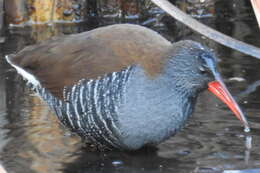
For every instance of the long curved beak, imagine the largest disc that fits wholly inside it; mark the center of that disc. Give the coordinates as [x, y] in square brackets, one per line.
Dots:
[218, 88]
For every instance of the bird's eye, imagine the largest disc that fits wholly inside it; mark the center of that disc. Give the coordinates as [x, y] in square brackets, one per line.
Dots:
[202, 70]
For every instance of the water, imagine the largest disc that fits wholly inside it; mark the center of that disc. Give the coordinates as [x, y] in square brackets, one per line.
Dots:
[32, 140]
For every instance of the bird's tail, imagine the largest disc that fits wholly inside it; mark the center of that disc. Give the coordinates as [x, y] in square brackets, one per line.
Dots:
[29, 77]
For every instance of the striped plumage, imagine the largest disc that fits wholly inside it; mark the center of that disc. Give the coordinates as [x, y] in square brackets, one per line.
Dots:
[90, 107]
[122, 86]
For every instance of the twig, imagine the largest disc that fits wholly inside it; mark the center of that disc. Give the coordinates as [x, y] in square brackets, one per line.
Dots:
[207, 31]
[256, 7]
[250, 89]
[53, 11]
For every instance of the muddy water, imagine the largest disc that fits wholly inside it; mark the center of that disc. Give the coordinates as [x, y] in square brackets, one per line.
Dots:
[32, 140]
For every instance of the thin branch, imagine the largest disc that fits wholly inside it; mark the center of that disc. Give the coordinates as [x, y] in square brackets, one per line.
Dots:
[207, 31]
[53, 11]
[250, 89]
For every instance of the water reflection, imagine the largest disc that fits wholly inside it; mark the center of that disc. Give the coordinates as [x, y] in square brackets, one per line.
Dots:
[36, 142]
[32, 140]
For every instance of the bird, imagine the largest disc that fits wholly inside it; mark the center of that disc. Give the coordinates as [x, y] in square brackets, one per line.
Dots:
[122, 86]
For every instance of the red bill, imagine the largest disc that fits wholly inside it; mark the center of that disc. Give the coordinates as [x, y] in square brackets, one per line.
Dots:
[219, 89]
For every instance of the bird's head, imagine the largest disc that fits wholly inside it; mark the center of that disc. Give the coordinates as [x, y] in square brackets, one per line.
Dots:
[194, 67]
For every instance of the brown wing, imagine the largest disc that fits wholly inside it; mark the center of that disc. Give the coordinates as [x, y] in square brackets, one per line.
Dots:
[64, 61]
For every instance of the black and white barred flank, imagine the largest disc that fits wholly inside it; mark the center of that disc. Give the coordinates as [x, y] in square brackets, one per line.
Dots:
[90, 107]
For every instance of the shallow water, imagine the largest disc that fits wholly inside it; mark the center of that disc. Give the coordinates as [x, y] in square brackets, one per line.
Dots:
[32, 140]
